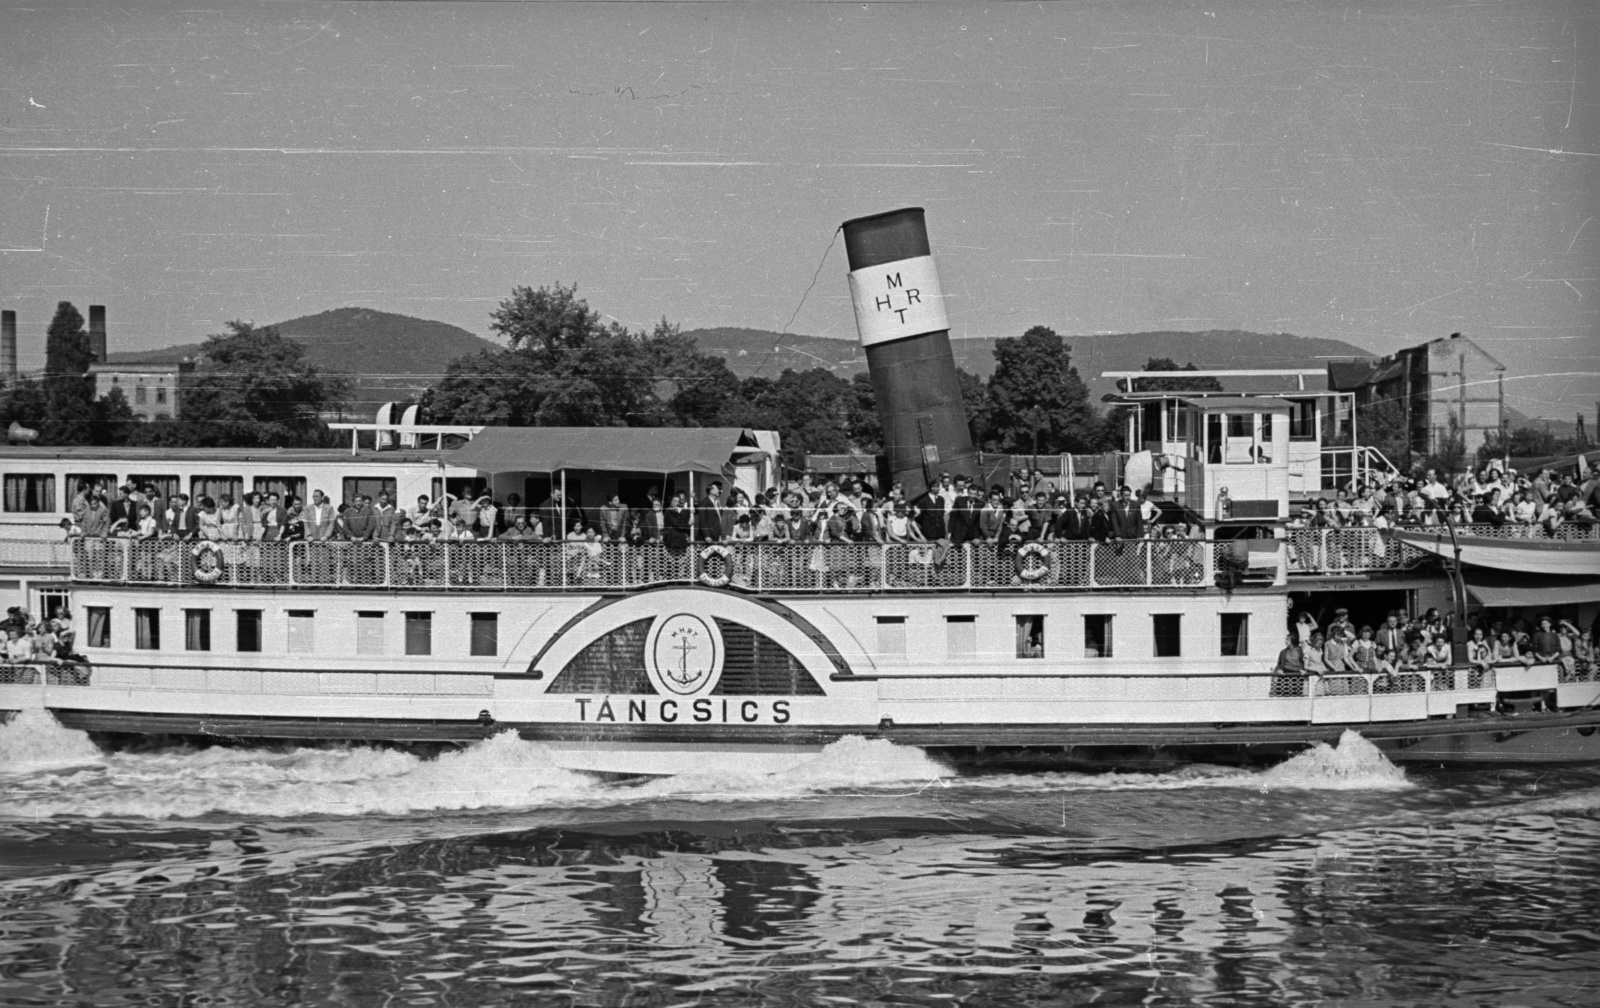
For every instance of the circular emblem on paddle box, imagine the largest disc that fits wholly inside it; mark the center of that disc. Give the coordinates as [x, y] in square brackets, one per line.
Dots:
[685, 653]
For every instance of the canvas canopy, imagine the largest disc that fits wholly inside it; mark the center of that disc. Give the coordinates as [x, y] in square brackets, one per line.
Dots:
[1502, 588]
[618, 449]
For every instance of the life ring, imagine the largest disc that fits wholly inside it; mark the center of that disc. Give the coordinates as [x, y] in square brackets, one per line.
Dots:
[721, 579]
[1029, 571]
[204, 573]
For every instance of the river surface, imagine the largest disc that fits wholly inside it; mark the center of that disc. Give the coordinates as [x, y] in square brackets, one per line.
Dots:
[873, 876]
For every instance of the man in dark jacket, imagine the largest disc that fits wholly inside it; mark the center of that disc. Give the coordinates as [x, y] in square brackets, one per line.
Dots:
[361, 520]
[929, 511]
[1099, 522]
[123, 509]
[1072, 525]
[185, 521]
[708, 514]
[1126, 523]
[557, 514]
[963, 524]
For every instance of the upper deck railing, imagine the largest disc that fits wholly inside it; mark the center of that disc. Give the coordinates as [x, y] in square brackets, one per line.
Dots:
[787, 567]
[575, 566]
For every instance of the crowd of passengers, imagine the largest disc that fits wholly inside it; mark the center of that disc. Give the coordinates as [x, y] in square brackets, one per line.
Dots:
[1489, 495]
[27, 639]
[955, 511]
[1402, 644]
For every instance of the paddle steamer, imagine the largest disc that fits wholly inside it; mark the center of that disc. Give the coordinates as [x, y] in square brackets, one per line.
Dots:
[640, 659]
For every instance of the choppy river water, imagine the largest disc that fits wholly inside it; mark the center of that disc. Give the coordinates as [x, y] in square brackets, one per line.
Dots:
[874, 876]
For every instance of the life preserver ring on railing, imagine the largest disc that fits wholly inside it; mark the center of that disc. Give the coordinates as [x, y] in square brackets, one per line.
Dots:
[1027, 570]
[207, 563]
[721, 579]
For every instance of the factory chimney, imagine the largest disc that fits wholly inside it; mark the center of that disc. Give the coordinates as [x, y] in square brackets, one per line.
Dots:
[97, 333]
[8, 348]
[901, 320]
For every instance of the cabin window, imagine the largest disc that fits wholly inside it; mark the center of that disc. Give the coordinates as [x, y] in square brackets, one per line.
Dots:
[368, 486]
[197, 629]
[30, 493]
[1235, 635]
[166, 486]
[1177, 421]
[369, 633]
[1097, 636]
[99, 626]
[216, 487]
[419, 633]
[1030, 636]
[104, 482]
[54, 603]
[1167, 629]
[892, 636]
[961, 636]
[302, 631]
[284, 486]
[485, 634]
[147, 629]
[1214, 438]
[247, 629]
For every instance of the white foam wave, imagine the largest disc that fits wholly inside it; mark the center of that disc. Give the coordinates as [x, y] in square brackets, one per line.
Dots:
[503, 772]
[33, 741]
[1354, 764]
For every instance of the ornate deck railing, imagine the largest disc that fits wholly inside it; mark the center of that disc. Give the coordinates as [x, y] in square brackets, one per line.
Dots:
[44, 553]
[500, 566]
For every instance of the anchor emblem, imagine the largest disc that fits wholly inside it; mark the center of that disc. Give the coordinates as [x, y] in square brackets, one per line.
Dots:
[685, 653]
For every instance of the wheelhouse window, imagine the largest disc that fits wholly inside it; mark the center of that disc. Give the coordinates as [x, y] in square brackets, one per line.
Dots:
[1302, 420]
[1167, 630]
[369, 633]
[1030, 636]
[485, 634]
[892, 636]
[419, 633]
[1097, 636]
[147, 629]
[99, 627]
[197, 629]
[248, 627]
[1235, 635]
[30, 493]
[961, 636]
[302, 631]
[368, 486]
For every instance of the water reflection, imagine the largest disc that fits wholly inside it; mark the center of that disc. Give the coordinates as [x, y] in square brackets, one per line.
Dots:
[911, 911]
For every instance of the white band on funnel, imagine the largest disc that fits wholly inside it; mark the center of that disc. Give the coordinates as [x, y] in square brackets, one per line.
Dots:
[897, 299]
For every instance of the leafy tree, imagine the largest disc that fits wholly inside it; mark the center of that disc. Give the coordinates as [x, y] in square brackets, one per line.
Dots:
[69, 411]
[565, 368]
[810, 410]
[1381, 424]
[253, 388]
[862, 423]
[1526, 442]
[1037, 401]
[114, 421]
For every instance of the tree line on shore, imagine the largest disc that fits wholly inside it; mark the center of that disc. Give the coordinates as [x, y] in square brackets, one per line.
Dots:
[563, 365]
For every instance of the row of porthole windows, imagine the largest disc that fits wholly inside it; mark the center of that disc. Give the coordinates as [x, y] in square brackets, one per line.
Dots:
[1099, 637]
[372, 631]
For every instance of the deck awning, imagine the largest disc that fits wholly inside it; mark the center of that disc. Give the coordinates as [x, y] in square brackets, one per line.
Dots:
[1501, 588]
[609, 449]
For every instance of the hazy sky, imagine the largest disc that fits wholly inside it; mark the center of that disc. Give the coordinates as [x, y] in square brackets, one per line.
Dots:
[1380, 173]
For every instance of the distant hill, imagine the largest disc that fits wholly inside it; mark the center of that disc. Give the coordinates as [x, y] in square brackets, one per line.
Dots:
[392, 356]
[396, 356]
[750, 350]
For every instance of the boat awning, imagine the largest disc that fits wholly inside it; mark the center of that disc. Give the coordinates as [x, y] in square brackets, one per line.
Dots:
[1528, 556]
[609, 449]
[1501, 588]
